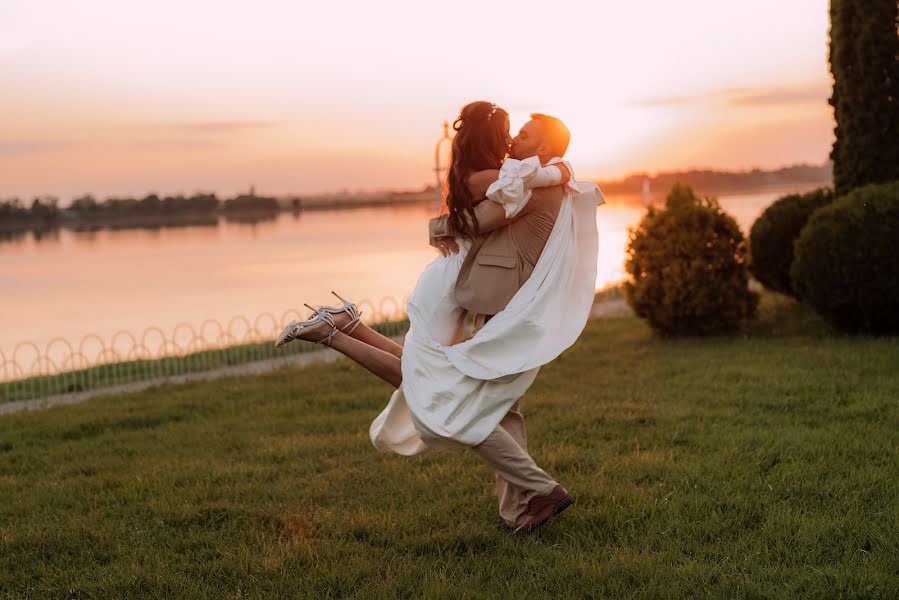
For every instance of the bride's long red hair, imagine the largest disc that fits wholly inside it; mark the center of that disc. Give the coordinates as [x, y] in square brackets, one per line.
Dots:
[480, 143]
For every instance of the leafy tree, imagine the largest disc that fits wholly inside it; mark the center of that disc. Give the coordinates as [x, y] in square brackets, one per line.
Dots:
[204, 202]
[12, 210]
[85, 205]
[45, 209]
[150, 205]
[864, 60]
[251, 202]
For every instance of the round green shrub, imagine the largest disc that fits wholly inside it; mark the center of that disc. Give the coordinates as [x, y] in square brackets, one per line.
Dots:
[687, 268]
[846, 263]
[773, 234]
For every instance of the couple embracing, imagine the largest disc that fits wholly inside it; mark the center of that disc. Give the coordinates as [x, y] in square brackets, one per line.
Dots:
[518, 245]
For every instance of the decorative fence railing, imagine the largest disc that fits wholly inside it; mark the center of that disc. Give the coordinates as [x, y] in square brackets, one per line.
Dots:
[64, 368]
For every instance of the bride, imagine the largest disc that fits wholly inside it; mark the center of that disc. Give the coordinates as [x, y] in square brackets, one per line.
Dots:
[453, 393]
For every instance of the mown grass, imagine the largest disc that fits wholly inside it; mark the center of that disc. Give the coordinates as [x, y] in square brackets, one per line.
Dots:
[763, 465]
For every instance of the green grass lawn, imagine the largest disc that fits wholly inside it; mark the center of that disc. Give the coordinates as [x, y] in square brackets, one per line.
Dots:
[763, 465]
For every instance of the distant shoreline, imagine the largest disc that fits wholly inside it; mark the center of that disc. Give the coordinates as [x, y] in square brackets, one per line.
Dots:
[72, 220]
[707, 181]
[372, 201]
[86, 214]
[12, 229]
[658, 193]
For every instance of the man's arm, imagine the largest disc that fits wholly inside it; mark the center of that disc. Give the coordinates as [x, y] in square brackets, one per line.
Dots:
[490, 216]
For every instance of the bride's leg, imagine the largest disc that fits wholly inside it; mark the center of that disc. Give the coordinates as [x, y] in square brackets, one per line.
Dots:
[366, 334]
[385, 365]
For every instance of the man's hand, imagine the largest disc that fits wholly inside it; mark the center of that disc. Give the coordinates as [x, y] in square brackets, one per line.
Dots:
[445, 245]
[566, 174]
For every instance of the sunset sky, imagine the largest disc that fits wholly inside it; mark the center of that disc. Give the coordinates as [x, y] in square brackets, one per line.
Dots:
[124, 97]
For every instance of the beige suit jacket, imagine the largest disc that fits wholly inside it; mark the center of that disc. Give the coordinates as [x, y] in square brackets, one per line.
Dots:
[500, 261]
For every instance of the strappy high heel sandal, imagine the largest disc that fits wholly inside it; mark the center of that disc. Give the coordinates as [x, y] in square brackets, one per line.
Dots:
[294, 328]
[349, 308]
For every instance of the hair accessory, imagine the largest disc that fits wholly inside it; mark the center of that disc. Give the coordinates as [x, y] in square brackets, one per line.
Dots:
[492, 111]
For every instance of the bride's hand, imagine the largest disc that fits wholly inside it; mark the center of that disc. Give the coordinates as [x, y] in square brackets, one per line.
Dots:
[445, 245]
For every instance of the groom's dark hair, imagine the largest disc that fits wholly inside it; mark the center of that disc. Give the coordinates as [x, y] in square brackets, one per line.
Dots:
[557, 135]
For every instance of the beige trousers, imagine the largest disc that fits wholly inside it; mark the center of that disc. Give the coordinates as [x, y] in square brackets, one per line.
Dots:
[518, 478]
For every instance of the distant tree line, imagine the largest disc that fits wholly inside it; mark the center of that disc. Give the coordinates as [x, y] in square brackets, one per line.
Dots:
[46, 211]
[149, 205]
[711, 181]
[250, 203]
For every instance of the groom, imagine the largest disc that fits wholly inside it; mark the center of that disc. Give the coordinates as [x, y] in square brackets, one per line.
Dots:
[498, 263]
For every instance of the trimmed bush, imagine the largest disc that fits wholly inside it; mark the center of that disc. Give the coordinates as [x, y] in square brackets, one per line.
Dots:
[773, 234]
[846, 263]
[687, 268]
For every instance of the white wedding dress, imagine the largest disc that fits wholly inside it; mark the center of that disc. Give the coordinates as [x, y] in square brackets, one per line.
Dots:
[453, 396]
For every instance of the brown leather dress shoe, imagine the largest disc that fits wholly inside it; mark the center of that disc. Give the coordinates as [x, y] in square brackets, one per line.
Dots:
[542, 508]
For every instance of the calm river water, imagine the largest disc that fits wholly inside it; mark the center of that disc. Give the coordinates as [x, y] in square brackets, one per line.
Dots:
[71, 284]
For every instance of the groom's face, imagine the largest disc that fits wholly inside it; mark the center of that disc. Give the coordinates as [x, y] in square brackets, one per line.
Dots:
[530, 141]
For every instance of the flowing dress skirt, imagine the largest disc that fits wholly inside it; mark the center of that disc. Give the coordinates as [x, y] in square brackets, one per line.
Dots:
[454, 394]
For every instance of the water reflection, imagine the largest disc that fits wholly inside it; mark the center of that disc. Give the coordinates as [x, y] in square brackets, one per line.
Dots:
[251, 218]
[14, 235]
[70, 283]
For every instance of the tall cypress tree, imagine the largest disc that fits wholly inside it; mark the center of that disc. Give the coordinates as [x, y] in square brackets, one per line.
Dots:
[864, 60]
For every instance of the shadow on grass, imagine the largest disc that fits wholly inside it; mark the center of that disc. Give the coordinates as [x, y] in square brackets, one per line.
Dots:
[783, 316]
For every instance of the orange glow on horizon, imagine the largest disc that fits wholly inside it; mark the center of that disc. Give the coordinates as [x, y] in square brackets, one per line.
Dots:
[174, 98]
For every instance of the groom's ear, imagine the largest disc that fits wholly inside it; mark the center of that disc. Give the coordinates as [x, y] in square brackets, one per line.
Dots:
[545, 150]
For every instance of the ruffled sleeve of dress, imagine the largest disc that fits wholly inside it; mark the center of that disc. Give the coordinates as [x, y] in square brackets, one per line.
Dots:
[517, 178]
